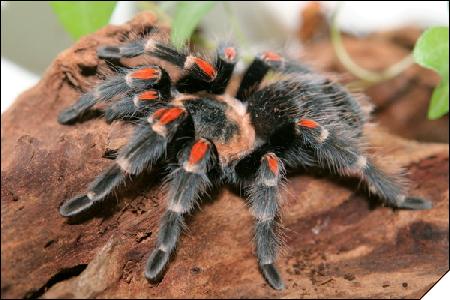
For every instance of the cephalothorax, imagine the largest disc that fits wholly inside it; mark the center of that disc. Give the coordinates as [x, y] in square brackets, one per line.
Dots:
[249, 139]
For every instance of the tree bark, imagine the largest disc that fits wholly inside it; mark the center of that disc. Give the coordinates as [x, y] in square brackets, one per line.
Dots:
[337, 243]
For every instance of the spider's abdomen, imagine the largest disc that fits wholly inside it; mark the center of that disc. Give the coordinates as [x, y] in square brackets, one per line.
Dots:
[288, 101]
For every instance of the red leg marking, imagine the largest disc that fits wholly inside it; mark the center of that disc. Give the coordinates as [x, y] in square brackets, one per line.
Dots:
[198, 151]
[146, 73]
[272, 161]
[148, 95]
[170, 115]
[205, 67]
[157, 114]
[167, 115]
[271, 56]
[230, 53]
[308, 123]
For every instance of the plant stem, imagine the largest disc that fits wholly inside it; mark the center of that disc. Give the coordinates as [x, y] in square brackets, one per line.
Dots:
[368, 77]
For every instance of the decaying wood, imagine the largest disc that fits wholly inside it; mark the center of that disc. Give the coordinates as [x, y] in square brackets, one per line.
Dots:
[337, 245]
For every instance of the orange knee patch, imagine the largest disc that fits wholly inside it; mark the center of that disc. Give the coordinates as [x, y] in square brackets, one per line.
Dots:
[167, 115]
[198, 151]
[146, 73]
[230, 53]
[206, 67]
[157, 114]
[308, 123]
[271, 56]
[148, 95]
[272, 162]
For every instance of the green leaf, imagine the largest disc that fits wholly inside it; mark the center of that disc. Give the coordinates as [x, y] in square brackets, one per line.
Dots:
[83, 17]
[187, 16]
[431, 51]
[439, 101]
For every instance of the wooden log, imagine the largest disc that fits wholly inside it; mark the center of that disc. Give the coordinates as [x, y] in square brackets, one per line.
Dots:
[337, 244]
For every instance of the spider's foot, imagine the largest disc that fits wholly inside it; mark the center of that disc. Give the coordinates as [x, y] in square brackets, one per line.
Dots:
[272, 276]
[75, 206]
[272, 59]
[72, 113]
[415, 203]
[116, 52]
[108, 52]
[155, 264]
[67, 116]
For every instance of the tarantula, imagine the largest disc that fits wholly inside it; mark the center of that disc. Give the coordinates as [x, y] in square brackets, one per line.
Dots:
[301, 120]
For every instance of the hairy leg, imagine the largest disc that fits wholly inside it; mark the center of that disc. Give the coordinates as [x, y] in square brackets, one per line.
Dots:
[226, 59]
[260, 66]
[147, 145]
[193, 66]
[136, 105]
[186, 184]
[264, 198]
[132, 81]
[341, 156]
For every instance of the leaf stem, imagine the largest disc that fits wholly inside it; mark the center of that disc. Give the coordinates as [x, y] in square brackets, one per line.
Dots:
[368, 77]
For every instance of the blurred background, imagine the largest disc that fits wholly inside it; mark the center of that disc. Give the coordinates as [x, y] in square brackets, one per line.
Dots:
[375, 37]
